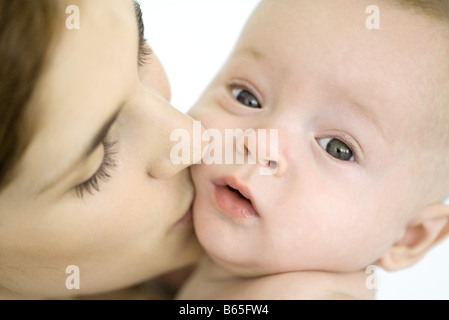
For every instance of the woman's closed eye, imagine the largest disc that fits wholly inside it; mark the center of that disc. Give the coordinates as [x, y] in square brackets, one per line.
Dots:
[337, 149]
[108, 163]
[103, 172]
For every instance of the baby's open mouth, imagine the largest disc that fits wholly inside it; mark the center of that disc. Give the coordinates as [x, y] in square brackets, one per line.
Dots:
[239, 194]
[234, 202]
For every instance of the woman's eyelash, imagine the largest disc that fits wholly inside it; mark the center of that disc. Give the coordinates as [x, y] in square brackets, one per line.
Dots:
[144, 49]
[102, 174]
[144, 53]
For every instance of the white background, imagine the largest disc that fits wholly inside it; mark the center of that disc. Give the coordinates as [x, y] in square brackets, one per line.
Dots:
[193, 39]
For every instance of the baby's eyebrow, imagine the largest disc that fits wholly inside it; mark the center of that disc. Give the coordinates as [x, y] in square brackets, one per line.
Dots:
[371, 116]
[254, 53]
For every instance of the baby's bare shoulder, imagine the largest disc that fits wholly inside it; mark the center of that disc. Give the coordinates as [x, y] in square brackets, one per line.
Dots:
[286, 286]
[290, 286]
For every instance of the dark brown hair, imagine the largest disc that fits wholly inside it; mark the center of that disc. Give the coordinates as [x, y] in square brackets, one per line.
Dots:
[26, 32]
[433, 8]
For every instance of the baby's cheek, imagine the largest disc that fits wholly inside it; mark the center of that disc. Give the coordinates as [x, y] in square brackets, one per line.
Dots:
[369, 235]
[201, 176]
[350, 235]
[195, 174]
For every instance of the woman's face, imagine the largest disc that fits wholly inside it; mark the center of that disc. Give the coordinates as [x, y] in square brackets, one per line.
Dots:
[96, 187]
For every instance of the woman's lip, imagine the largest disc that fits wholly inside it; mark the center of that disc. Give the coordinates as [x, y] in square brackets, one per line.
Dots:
[231, 203]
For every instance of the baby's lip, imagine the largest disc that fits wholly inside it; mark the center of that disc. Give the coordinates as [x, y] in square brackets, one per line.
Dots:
[239, 185]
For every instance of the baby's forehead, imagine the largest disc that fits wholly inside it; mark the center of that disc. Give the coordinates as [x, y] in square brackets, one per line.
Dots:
[400, 71]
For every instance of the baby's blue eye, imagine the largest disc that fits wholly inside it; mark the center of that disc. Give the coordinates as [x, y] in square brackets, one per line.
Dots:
[246, 98]
[337, 149]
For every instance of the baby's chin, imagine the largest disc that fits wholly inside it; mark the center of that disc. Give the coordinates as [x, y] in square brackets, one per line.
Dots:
[239, 268]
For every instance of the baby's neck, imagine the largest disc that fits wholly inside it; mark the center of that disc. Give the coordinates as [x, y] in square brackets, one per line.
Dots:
[210, 281]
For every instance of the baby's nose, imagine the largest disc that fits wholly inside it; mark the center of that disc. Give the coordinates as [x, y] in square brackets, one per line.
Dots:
[263, 149]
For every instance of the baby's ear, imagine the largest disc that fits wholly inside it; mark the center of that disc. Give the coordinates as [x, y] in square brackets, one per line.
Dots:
[424, 232]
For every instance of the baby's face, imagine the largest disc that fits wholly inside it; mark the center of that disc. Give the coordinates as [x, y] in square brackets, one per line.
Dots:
[350, 106]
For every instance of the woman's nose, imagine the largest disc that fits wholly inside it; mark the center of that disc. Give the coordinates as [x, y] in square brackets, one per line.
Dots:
[262, 148]
[162, 122]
